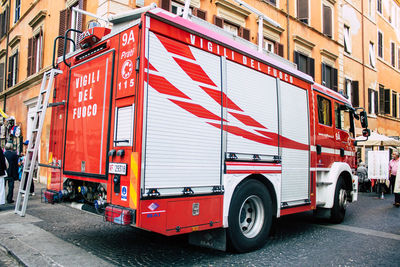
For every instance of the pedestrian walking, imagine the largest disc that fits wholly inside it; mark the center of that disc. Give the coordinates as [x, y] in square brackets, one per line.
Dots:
[3, 174]
[12, 171]
[393, 172]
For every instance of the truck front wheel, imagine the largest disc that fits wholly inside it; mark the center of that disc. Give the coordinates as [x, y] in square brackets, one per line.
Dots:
[250, 216]
[338, 210]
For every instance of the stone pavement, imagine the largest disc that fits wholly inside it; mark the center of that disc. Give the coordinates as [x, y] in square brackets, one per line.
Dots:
[58, 235]
[30, 245]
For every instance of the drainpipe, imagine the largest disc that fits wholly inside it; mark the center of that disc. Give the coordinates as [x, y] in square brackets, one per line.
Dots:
[5, 63]
[288, 31]
[362, 49]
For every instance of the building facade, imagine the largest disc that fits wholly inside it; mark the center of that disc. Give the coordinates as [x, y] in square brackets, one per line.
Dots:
[351, 46]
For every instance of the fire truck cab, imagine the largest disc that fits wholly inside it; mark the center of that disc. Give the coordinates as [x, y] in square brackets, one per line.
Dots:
[173, 126]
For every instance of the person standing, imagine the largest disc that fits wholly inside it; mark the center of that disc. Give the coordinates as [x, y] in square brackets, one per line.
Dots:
[12, 171]
[21, 163]
[3, 174]
[393, 167]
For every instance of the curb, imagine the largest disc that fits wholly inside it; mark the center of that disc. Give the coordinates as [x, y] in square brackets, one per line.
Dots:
[11, 254]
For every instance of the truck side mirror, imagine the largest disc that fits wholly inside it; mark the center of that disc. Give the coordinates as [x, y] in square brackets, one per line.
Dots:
[364, 119]
[366, 132]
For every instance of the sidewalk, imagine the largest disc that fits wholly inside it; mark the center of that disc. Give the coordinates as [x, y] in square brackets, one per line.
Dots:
[32, 246]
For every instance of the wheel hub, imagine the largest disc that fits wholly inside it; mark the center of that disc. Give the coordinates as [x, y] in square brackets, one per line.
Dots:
[251, 216]
[343, 198]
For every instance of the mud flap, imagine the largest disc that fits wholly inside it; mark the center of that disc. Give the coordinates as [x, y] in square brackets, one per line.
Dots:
[215, 239]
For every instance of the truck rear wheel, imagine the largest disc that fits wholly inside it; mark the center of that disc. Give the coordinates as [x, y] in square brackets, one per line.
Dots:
[338, 210]
[250, 217]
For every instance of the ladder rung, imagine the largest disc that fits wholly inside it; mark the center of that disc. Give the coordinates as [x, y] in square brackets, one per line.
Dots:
[26, 170]
[35, 130]
[30, 150]
[22, 191]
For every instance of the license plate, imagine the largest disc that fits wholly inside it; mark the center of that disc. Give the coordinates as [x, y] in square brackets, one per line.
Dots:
[117, 168]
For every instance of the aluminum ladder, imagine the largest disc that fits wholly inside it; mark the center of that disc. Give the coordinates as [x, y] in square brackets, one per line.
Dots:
[34, 142]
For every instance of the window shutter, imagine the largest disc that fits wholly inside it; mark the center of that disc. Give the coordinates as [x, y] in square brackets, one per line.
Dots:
[219, 21]
[64, 14]
[393, 52]
[381, 99]
[10, 68]
[387, 101]
[2, 23]
[41, 50]
[6, 21]
[394, 104]
[311, 67]
[302, 10]
[279, 49]
[323, 80]
[334, 79]
[355, 94]
[370, 93]
[376, 101]
[200, 13]
[166, 4]
[30, 59]
[1, 76]
[296, 58]
[16, 68]
[80, 17]
[244, 33]
[327, 21]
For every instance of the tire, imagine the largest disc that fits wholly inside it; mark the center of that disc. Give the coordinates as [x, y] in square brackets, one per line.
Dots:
[250, 217]
[338, 210]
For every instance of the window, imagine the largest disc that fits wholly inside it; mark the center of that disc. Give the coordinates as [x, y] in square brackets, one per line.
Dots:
[35, 52]
[327, 21]
[324, 111]
[347, 39]
[329, 76]
[380, 44]
[372, 101]
[372, 54]
[379, 6]
[352, 92]
[17, 12]
[232, 28]
[3, 23]
[124, 126]
[338, 116]
[12, 76]
[387, 101]
[392, 54]
[370, 8]
[272, 2]
[302, 10]
[398, 58]
[69, 19]
[304, 63]
[177, 8]
[273, 47]
[394, 104]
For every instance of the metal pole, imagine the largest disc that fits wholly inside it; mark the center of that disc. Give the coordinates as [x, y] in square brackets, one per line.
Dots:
[186, 9]
[260, 33]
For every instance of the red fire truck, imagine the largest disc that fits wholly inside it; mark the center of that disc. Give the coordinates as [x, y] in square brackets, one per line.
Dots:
[175, 127]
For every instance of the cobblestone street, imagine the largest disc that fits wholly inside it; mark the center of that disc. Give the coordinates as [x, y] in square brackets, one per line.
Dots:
[367, 237]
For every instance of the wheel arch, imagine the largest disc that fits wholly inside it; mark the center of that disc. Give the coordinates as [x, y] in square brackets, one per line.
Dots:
[233, 182]
[327, 181]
